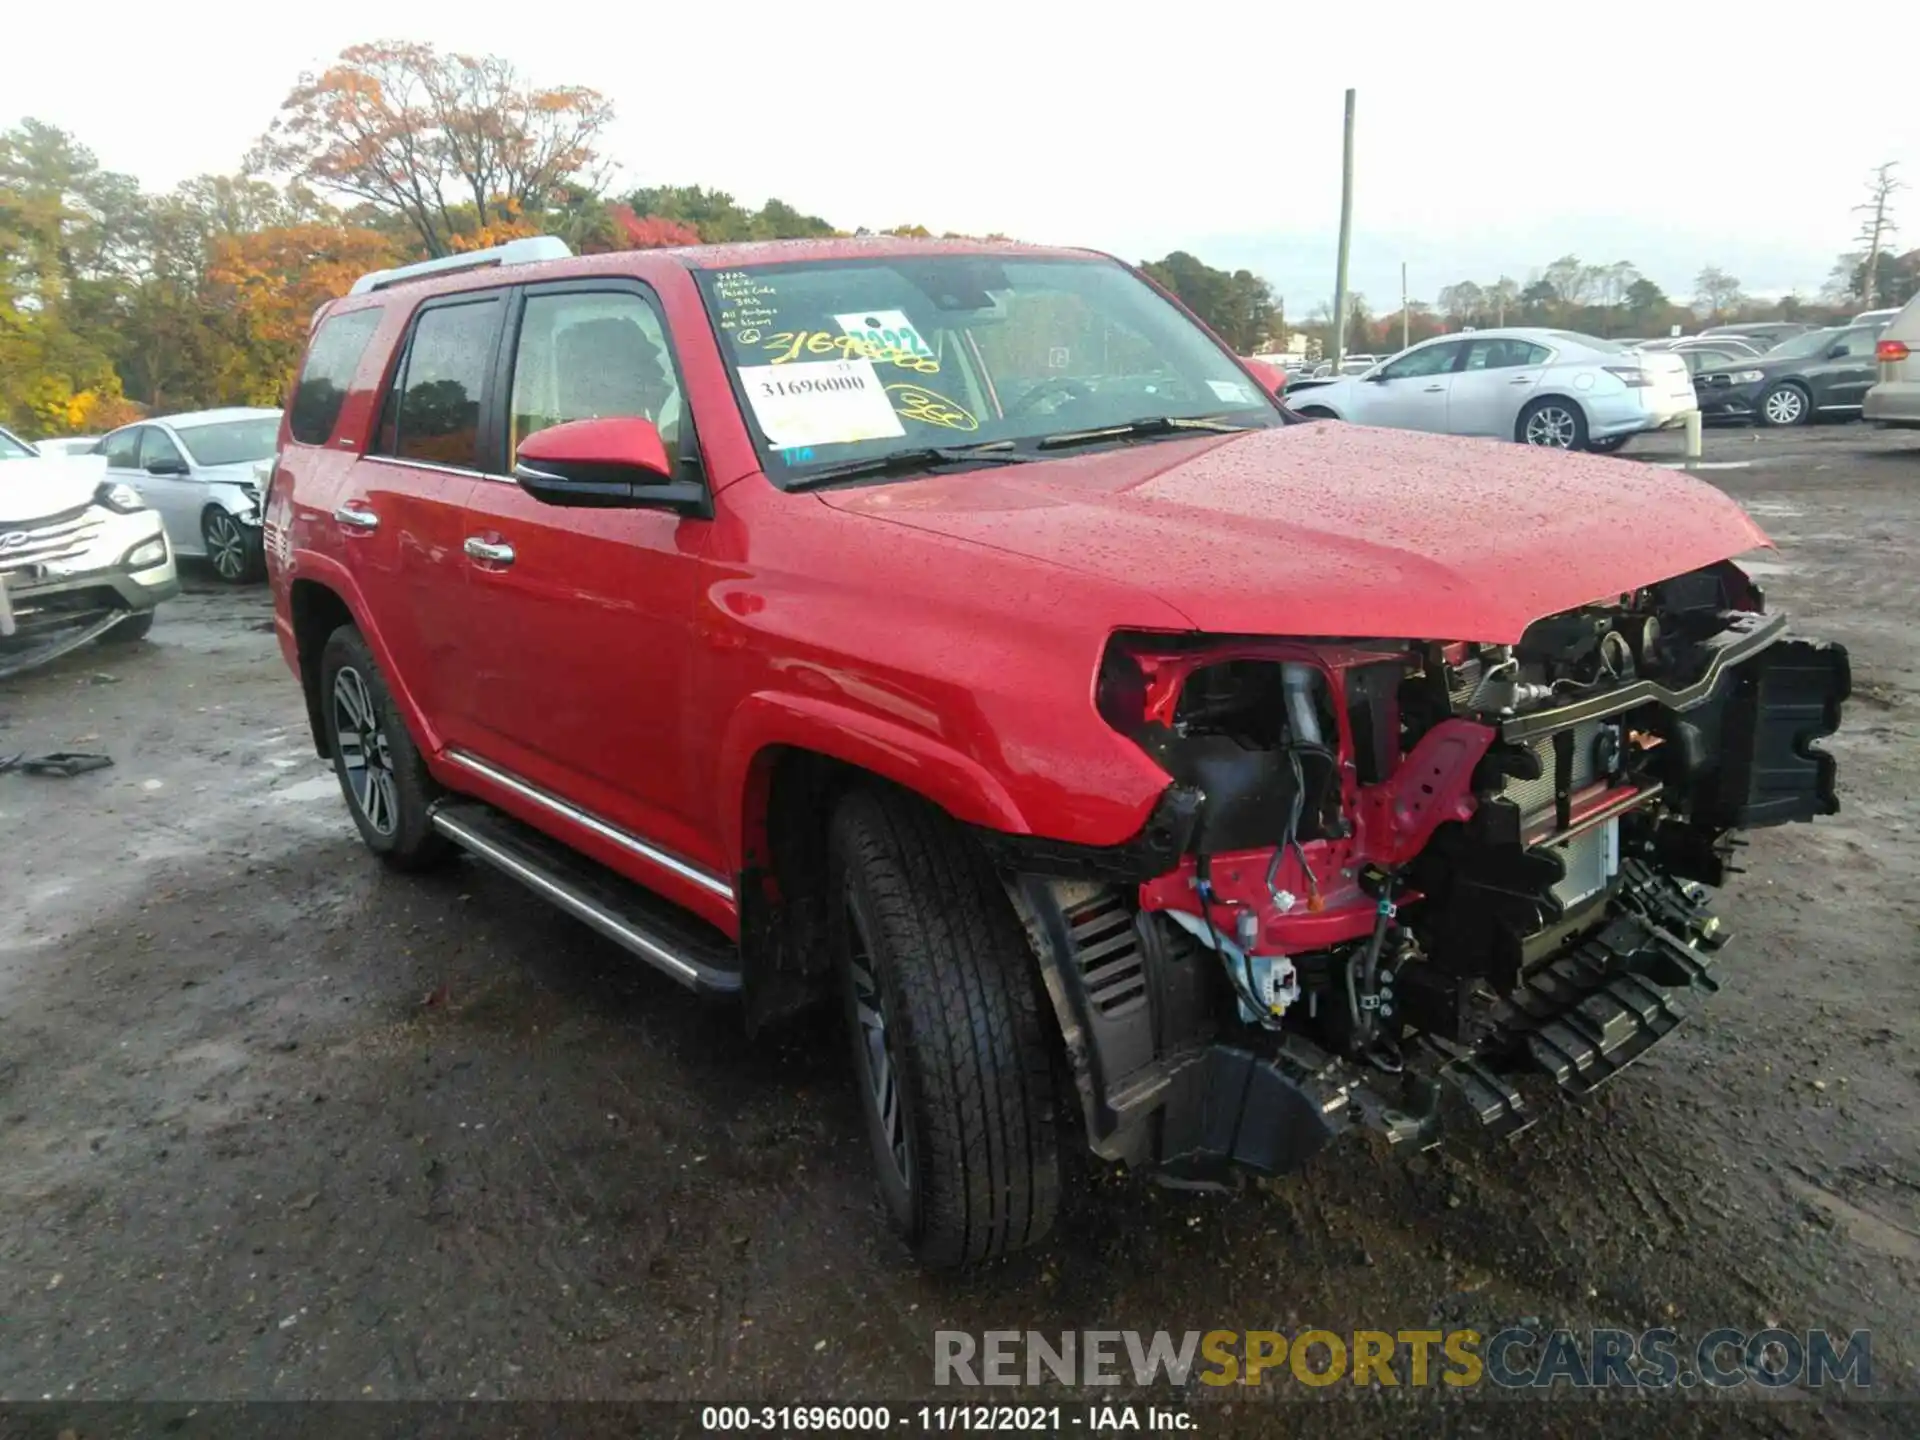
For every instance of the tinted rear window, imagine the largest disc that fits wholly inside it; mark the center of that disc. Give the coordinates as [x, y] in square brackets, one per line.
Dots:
[439, 408]
[331, 360]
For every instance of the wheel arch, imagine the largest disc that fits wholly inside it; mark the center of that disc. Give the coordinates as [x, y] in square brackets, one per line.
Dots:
[1534, 402]
[786, 763]
[317, 605]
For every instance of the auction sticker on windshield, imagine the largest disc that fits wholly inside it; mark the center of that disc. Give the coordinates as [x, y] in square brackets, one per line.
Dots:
[888, 330]
[826, 402]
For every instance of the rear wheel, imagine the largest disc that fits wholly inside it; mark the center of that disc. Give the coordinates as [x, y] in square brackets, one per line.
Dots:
[952, 1057]
[388, 789]
[1785, 405]
[1553, 424]
[234, 549]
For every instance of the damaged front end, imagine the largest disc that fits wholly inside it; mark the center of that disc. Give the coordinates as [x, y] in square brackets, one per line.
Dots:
[1389, 877]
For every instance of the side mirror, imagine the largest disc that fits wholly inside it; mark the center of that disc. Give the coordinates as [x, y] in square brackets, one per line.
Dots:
[1835, 352]
[174, 466]
[1375, 377]
[614, 463]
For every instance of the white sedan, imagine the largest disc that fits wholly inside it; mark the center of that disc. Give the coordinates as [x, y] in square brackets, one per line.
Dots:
[1539, 387]
[202, 472]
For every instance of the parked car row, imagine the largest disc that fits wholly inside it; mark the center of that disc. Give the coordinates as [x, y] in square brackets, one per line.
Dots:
[1820, 373]
[1542, 387]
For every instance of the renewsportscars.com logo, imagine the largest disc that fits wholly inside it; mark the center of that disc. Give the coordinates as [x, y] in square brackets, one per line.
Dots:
[1514, 1358]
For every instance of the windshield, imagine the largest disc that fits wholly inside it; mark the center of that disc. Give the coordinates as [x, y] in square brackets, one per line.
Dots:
[1811, 343]
[858, 359]
[231, 442]
[14, 448]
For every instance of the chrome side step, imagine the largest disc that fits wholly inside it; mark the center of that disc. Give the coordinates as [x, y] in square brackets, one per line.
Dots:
[634, 918]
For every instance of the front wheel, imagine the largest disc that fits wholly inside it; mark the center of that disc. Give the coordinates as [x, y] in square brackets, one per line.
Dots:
[1553, 424]
[385, 781]
[1785, 405]
[953, 1060]
[235, 550]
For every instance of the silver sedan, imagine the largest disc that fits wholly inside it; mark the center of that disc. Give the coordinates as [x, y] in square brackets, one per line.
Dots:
[1539, 387]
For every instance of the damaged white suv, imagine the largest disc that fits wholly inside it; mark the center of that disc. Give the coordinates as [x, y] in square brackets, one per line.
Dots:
[80, 556]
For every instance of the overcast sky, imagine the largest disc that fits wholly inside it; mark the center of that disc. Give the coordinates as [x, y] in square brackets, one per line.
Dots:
[1492, 137]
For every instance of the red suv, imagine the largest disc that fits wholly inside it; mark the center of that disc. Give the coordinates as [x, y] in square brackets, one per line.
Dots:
[961, 633]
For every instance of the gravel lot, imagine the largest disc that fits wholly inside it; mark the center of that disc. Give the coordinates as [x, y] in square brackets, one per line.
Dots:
[277, 1124]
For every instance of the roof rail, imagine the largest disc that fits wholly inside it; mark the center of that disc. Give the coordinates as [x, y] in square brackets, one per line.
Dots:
[515, 252]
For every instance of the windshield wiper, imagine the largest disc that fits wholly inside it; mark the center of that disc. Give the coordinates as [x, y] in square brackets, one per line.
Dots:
[908, 462]
[1139, 429]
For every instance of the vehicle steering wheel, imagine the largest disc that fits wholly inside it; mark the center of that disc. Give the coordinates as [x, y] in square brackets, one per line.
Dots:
[1063, 385]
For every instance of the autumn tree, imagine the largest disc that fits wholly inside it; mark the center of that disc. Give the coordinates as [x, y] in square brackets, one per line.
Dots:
[1715, 291]
[418, 133]
[69, 242]
[268, 284]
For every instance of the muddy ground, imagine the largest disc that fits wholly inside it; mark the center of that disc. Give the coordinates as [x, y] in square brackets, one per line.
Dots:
[275, 1123]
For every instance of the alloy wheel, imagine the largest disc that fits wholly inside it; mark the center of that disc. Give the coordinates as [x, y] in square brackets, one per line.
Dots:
[1785, 407]
[226, 545]
[364, 752]
[1553, 426]
[879, 1067]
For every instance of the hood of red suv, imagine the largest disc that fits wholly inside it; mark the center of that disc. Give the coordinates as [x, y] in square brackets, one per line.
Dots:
[1330, 529]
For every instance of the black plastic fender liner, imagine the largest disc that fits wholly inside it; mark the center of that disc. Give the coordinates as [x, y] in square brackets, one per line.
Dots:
[1131, 997]
[1162, 839]
[1235, 1110]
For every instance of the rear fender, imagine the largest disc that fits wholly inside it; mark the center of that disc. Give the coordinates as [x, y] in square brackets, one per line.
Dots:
[330, 575]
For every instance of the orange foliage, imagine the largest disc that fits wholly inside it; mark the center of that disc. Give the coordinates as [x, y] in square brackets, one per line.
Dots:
[652, 232]
[270, 282]
[510, 226]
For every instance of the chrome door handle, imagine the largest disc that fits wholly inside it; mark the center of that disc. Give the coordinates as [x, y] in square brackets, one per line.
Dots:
[357, 517]
[1521, 380]
[485, 550]
[1435, 389]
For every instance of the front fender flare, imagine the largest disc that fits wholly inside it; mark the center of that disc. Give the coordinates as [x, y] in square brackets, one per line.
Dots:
[959, 784]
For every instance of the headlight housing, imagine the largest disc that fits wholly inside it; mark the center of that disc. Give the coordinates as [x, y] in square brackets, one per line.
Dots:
[1746, 377]
[147, 554]
[120, 498]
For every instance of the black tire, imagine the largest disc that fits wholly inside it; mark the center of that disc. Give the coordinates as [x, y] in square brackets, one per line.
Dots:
[1552, 423]
[1612, 445]
[928, 946]
[1783, 405]
[388, 790]
[234, 550]
[134, 627]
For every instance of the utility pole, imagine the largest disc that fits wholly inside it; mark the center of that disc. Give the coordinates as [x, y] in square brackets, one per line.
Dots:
[1346, 237]
[1406, 320]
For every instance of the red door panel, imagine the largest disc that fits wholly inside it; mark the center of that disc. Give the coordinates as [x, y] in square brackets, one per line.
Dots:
[575, 674]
